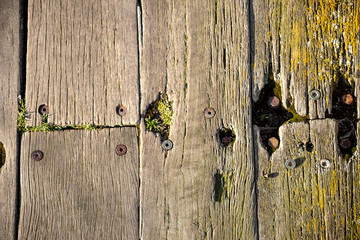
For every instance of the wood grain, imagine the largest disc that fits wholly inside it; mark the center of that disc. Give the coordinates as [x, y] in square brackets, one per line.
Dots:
[9, 79]
[82, 61]
[197, 52]
[308, 202]
[81, 189]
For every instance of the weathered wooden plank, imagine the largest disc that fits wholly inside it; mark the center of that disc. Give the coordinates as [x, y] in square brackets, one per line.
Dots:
[309, 201]
[9, 79]
[197, 52]
[81, 189]
[82, 61]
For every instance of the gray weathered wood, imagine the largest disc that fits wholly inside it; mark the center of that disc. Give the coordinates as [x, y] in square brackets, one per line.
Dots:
[197, 52]
[82, 61]
[81, 189]
[308, 202]
[9, 79]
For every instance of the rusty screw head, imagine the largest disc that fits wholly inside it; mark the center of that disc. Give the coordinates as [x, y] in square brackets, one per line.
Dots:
[167, 145]
[273, 142]
[325, 163]
[315, 94]
[290, 164]
[347, 99]
[209, 112]
[273, 102]
[37, 155]
[121, 110]
[44, 109]
[345, 143]
[226, 140]
[121, 149]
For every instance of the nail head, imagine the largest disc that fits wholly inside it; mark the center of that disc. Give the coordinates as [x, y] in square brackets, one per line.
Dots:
[44, 109]
[209, 112]
[167, 145]
[347, 99]
[273, 102]
[121, 110]
[290, 164]
[121, 149]
[345, 143]
[37, 155]
[315, 94]
[273, 142]
[325, 163]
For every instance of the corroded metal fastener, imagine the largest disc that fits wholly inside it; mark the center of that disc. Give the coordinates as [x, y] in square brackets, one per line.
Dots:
[37, 155]
[273, 142]
[44, 109]
[273, 102]
[226, 140]
[315, 94]
[347, 99]
[121, 110]
[121, 149]
[345, 143]
[290, 164]
[167, 145]
[209, 112]
[325, 163]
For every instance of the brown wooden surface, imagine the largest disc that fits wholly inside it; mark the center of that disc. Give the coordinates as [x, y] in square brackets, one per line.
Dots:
[198, 52]
[82, 61]
[81, 189]
[9, 79]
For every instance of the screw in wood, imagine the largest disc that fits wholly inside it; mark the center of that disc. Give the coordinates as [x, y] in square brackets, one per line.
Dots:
[347, 99]
[273, 102]
[226, 140]
[121, 110]
[44, 109]
[325, 163]
[121, 149]
[273, 142]
[209, 112]
[315, 94]
[290, 164]
[37, 155]
[167, 145]
[345, 143]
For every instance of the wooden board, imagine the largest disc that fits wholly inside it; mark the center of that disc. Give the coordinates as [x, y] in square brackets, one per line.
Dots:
[81, 189]
[312, 45]
[197, 52]
[308, 202]
[9, 79]
[82, 61]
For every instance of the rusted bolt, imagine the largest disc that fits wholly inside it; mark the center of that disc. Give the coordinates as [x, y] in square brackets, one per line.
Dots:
[273, 142]
[345, 143]
[167, 145]
[209, 112]
[121, 149]
[315, 94]
[290, 164]
[44, 109]
[273, 102]
[324, 163]
[37, 155]
[226, 140]
[121, 110]
[347, 99]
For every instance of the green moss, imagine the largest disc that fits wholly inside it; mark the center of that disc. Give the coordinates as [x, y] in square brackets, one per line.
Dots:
[296, 117]
[222, 185]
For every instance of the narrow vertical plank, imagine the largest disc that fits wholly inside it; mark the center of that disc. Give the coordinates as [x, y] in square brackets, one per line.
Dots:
[308, 202]
[81, 189]
[82, 61]
[9, 79]
[197, 52]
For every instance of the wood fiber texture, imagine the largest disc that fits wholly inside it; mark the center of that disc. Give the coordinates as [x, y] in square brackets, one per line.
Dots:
[82, 61]
[9, 79]
[81, 189]
[198, 53]
[308, 202]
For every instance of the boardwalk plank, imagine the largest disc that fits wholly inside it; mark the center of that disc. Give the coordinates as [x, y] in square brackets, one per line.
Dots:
[82, 61]
[81, 189]
[9, 79]
[198, 53]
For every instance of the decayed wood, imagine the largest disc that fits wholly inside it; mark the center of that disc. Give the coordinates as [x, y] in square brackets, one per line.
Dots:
[313, 43]
[81, 189]
[82, 61]
[308, 202]
[9, 79]
[197, 52]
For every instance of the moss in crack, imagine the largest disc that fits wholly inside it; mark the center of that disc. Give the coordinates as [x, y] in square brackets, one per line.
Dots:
[158, 117]
[222, 185]
[296, 117]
